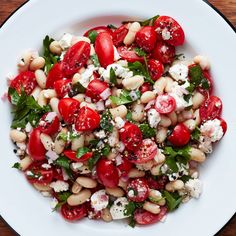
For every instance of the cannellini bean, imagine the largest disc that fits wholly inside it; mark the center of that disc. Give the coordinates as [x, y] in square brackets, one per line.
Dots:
[165, 121]
[190, 124]
[59, 143]
[197, 117]
[161, 134]
[130, 37]
[90, 105]
[47, 142]
[41, 78]
[198, 99]
[151, 207]
[82, 70]
[88, 137]
[113, 138]
[106, 215]
[173, 117]
[76, 188]
[169, 85]
[116, 192]
[123, 184]
[162, 202]
[54, 105]
[203, 61]
[86, 182]
[147, 97]
[197, 155]
[80, 97]
[17, 136]
[187, 114]
[50, 93]
[23, 65]
[155, 194]
[25, 163]
[76, 78]
[180, 118]
[84, 170]
[80, 198]
[156, 170]
[37, 63]
[36, 93]
[42, 100]
[159, 158]
[160, 85]
[138, 112]
[120, 111]
[174, 185]
[135, 173]
[133, 83]
[42, 187]
[112, 155]
[77, 142]
[55, 48]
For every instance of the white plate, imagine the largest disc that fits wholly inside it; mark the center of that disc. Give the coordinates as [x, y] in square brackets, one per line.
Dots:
[207, 33]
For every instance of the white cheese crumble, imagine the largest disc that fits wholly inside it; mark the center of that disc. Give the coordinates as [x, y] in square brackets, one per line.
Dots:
[28, 127]
[105, 94]
[52, 156]
[153, 118]
[116, 54]
[99, 200]
[65, 41]
[119, 122]
[46, 166]
[165, 34]
[76, 166]
[100, 106]
[100, 134]
[59, 186]
[50, 116]
[118, 207]
[87, 76]
[194, 187]
[205, 144]
[179, 72]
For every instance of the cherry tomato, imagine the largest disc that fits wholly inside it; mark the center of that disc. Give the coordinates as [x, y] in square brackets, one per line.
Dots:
[107, 173]
[35, 147]
[164, 53]
[131, 136]
[72, 156]
[68, 108]
[158, 184]
[87, 120]
[143, 217]
[26, 80]
[180, 135]
[146, 38]
[165, 104]
[58, 174]
[205, 92]
[73, 213]
[169, 30]
[49, 123]
[119, 35]
[223, 124]
[124, 167]
[54, 74]
[146, 152]
[145, 87]
[99, 29]
[156, 69]
[35, 173]
[62, 87]
[128, 53]
[95, 88]
[137, 190]
[75, 58]
[211, 108]
[104, 49]
[92, 213]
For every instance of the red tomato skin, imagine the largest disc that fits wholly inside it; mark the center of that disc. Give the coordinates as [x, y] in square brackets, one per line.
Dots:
[156, 69]
[62, 87]
[125, 167]
[54, 74]
[164, 53]
[128, 53]
[75, 58]
[104, 49]
[158, 184]
[26, 80]
[180, 135]
[99, 29]
[177, 37]
[204, 92]
[145, 87]
[72, 156]
[68, 108]
[131, 136]
[73, 213]
[49, 128]
[143, 217]
[223, 125]
[87, 120]
[211, 109]
[95, 88]
[165, 104]
[35, 147]
[107, 173]
[119, 34]
[146, 38]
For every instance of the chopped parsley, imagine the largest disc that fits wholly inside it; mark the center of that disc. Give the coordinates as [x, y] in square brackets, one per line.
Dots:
[76, 89]
[113, 77]
[95, 60]
[195, 135]
[64, 163]
[140, 52]
[106, 121]
[129, 116]
[111, 26]
[82, 151]
[62, 198]
[147, 131]
[124, 98]
[92, 35]
[68, 136]
[17, 166]
[173, 200]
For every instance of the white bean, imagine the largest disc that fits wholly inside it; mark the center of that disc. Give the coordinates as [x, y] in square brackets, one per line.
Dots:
[197, 117]
[120, 111]
[190, 124]
[197, 155]
[42, 187]
[36, 93]
[55, 48]
[145, 166]
[76, 78]
[76, 188]
[159, 158]
[23, 65]
[113, 138]
[86, 182]
[116, 192]
[169, 85]
[130, 37]
[50, 93]
[122, 184]
[133, 83]
[165, 121]
[147, 97]
[90, 105]
[60, 144]
[25, 163]
[198, 99]
[54, 105]
[160, 85]
[37, 63]
[151, 207]
[106, 215]
[88, 137]
[135, 173]
[77, 143]
[17, 136]
[173, 117]
[41, 78]
[138, 112]
[42, 100]
[80, 198]
[79, 97]
[203, 61]
[161, 134]
[156, 170]
[47, 142]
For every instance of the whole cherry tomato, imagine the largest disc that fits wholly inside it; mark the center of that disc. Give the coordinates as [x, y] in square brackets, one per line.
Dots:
[62, 87]
[119, 34]
[180, 135]
[54, 74]
[223, 124]
[146, 38]
[169, 30]
[87, 120]
[35, 146]
[145, 87]
[68, 108]
[129, 54]
[156, 69]
[105, 49]
[99, 29]
[165, 104]
[107, 173]
[49, 123]
[73, 213]
[124, 167]
[72, 156]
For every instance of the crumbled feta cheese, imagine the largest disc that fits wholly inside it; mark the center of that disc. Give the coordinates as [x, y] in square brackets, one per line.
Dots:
[119, 122]
[118, 207]
[99, 200]
[52, 156]
[100, 134]
[118, 160]
[50, 117]
[28, 127]
[105, 94]
[59, 186]
[100, 106]
[120, 147]
[194, 187]
[87, 76]
[179, 72]
[153, 118]
[133, 95]
[165, 34]
[212, 129]
[46, 166]
[116, 54]
[76, 166]
[65, 175]
[205, 144]
[65, 41]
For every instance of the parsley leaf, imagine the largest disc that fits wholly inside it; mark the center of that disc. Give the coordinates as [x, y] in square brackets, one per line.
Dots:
[173, 200]
[147, 131]
[195, 135]
[110, 26]
[140, 52]
[81, 151]
[76, 89]
[113, 77]
[17, 166]
[93, 160]
[62, 161]
[15, 97]
[148, 22]
[93, 35]
[62, 197]
[95, 60]
[106, 121]
[185, 178]
[129, 116]
[68, 136]
[124, 98]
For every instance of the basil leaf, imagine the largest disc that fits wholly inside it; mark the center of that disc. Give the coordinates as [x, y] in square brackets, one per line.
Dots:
[62, 161]
[106, 121]
[92, 35]
[81, 151]
[113, 77]
[95, 60]
[15, 97]
[147, 131]
[173, 200]
[17, 166]
[140, 52]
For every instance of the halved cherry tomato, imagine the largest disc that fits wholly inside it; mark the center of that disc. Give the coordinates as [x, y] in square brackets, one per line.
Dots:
[26, 80]
[87, 120]
[156, 69]
[124, 167]
[73, 213]
[158, 184]
[68, 108]
[131, 136]
[62, 87]
[98, 29]
[145, 87]
[165, 104]
[104, 49]
[143, 217]
[95, 88]
[75, 58]
[137, 190]
[54, 74]
[207, 92]
[58, 174]
[169, 30]
[128, 53]
[180, 135]
[146, 38]
[164, 53]
[146, 152]
[211, 108]
[35, 147]
[92, 213]
[119, 34]
[35, 173]
[223, 124]
[107, 173]
[49, 123]
[72, 156]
